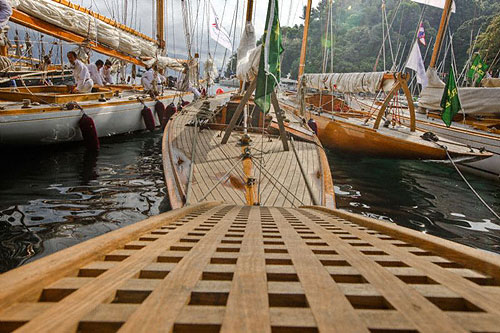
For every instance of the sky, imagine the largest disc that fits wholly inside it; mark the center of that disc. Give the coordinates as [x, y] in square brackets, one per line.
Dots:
[290, 12]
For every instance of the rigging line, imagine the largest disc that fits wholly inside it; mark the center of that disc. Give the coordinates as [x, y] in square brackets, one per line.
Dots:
[223, 15]
[389, 35]
[231, 34]
[271, 177]
[221, 179]
[468, 184]
[390, 27]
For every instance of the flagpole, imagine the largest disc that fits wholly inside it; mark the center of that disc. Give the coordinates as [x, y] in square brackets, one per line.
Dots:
[304, 39]
[440, 36]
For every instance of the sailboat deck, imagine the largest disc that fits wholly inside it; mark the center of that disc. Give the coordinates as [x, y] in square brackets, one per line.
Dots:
[218, 173]
[211, 268]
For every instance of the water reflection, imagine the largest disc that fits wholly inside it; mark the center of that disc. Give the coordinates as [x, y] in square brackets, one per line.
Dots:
[425, 196]
[54, 198]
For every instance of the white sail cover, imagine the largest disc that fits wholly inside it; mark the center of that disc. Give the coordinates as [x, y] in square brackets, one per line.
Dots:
[85, 25]
[437, 3]
[474, 100]
[248, 55]
[348, 82]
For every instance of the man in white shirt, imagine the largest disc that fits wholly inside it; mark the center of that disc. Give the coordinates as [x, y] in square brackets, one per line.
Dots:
[106, 73]
[94, 71]
[81, 75]
[147, 80]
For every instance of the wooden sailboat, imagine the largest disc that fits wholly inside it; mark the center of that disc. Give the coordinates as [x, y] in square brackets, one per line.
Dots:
[45, 115]
[341, 127]
[232, 152]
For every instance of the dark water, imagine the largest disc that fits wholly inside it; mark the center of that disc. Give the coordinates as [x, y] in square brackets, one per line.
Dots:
[54, 198]
[51, 199]
[426, 196]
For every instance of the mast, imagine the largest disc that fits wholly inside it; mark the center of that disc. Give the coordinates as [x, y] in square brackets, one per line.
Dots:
[440, 36]
[160, 23]
[249, 10]
[304, 39]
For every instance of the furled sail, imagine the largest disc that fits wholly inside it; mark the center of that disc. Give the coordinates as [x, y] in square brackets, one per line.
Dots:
[94, 27]
[348, 82]
[478, 101]
[248, 55]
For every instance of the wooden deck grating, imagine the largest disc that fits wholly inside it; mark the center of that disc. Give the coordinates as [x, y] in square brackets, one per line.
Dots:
[211, 268]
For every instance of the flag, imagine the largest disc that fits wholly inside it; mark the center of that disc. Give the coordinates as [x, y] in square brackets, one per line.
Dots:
[450, 101]
[436, 3]
[416, 63]
[218, 33]
[269, 66]
[477, 70]
[421, 34]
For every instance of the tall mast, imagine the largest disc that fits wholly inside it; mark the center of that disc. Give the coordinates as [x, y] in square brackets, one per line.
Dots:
[304, 39]
[160, 23]
[440, 36]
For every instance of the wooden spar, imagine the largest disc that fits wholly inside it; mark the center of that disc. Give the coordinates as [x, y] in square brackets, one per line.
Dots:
[238, 111]
[304, 39]
[68, 36]
[160, 23]
[249, 10]
[440, 36]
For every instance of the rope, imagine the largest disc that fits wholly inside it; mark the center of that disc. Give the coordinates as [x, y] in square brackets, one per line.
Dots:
[468, 184]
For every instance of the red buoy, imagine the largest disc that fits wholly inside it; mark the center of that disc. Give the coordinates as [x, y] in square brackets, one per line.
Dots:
[219, 91]
[160, 112]
[89, 132]
[170, 110]
[149, 120]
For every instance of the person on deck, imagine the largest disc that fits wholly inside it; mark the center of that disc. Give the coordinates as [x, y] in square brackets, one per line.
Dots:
[95, 74]
[106, 73]
[185, 85]
[81, 75]
[147, 80]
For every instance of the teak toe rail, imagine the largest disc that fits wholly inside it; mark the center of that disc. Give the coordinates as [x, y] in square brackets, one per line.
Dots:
[227, 268]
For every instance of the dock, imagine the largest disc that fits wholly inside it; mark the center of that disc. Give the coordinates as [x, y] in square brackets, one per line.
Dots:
[213, 267]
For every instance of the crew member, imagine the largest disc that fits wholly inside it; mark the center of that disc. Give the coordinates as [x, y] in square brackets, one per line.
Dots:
[185, 85]
[81, 74]
[147, 80]
[94, 71]
[106, 73]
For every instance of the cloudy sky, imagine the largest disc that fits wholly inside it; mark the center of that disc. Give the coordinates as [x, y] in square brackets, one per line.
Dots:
[141, 19]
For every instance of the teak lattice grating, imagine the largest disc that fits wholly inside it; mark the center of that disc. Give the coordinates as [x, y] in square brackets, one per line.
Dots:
[229, 268]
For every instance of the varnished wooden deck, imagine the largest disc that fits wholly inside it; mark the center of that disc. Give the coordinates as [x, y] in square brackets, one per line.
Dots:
[281, 182]
[211, 268]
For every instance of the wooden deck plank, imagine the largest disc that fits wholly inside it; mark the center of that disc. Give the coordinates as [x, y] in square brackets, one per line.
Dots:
[153, 315]
[331, 309]
[449, 277]
[416, 308]
[247, 306]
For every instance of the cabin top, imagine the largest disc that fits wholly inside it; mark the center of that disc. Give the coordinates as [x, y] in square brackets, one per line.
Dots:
[212, 267]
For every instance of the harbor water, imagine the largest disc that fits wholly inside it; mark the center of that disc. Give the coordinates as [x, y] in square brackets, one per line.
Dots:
[56, 197]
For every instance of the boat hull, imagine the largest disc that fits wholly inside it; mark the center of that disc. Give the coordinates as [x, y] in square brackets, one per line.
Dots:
[43, 128]
[339, 135]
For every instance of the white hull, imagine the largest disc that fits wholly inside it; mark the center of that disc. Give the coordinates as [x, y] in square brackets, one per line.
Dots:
[62, 126]
[489, 167]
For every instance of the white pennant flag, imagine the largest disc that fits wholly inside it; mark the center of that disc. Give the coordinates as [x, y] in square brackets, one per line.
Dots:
[437, 3]
[218, 33]
[416, 63]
